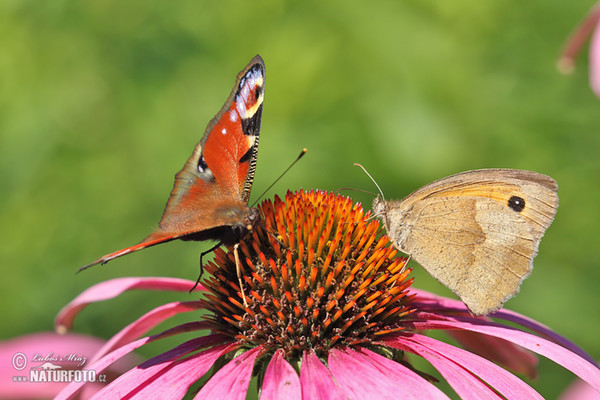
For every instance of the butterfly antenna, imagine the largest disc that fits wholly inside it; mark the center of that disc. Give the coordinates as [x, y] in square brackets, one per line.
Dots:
[369, 175]
[302, 153]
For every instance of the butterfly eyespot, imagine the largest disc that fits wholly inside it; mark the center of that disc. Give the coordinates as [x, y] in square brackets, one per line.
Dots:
[202, 166]
[204, 172]
[516, 203]
[219, 192]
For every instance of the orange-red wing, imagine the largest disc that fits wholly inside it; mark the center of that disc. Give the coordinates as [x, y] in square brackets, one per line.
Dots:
[222, 164]
[212, 189]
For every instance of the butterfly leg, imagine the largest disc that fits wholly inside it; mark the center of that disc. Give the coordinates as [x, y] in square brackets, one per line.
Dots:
[406, 263]
[404, 266]
[238, 270]
[202, 265]
[276, 237]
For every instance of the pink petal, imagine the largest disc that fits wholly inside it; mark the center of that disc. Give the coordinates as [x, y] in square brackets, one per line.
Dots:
[281, 381]
[543, 330]
[508, 354]
[317, 382]
[577, 39]
[425, 300]
[511, 356]
[18, 358]
[428, 301]
[364, 374]
[113, 288]
[562, 356]
[99, 366]
[231, 381]
[498, 378]
[579, 390]
[163, 377]
[465, 384]
[595, 61]
[147, 322]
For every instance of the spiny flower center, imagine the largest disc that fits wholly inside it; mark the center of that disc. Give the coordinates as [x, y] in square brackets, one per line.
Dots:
[315, 275]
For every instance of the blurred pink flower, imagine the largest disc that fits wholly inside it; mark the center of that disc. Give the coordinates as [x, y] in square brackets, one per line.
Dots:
[49, 350]
[588, 27]
[580, 390]
[330, 314]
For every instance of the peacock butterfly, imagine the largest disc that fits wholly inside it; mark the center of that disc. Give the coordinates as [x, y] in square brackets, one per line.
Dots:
[209, 200]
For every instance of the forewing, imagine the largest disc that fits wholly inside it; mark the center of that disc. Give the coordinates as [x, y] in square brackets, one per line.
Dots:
[222, 165]
[213, 187]
[539, 192]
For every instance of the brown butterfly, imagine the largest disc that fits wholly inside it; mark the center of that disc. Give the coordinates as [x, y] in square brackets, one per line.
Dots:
[209, 200]
[476, 232]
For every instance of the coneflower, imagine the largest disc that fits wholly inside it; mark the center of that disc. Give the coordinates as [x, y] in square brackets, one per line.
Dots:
[330, 313]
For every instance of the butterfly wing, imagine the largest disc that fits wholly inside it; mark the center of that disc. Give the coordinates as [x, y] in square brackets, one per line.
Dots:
[540, 191]
[477, 232]
[212, 189]
[219, 174]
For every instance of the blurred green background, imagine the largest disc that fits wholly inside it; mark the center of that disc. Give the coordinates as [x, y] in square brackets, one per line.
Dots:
[101, 103]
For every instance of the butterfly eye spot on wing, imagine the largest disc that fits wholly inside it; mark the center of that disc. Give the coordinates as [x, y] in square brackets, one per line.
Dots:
[516, 203]
[203, 171]
[202, 166]
[252, 82]
[233, 131]
[258, 93]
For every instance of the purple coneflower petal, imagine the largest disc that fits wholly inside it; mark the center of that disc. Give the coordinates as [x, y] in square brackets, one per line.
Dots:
[136, 381]
[543, 330]
[99, 366]
[113, 288]
[426, 301]
[589, 26]
[579, 390]
[146, 323]
[364, 374]
[443, 355]
[43, 344]
[167, 375]
[231, 381]
[462, 381]
[503, 352]
[560, 355]
[508, 354]
[317, 382]
[595, 61]
[281, 381]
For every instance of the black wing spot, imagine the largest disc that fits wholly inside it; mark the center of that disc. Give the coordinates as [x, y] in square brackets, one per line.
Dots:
[516, 203]
[202, 166]
[251, 126]
[247, 156]
[257, 93]
[204, 172]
